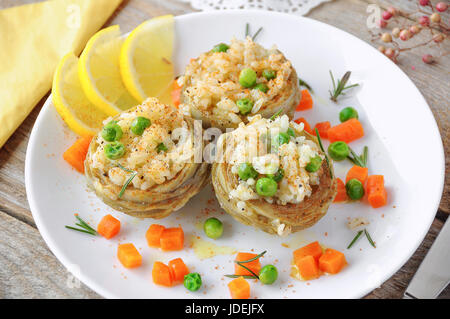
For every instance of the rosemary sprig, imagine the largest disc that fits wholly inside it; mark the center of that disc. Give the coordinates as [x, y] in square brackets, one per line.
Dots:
[124, 168]
[85, 228]
[251, 259]
[359, 235]
[339, 87]
[365, 155]
[273, 117]
[248, 269]
[369, 238]
[241, 263]
[80, 230]
[323, 150]
[247, 32]
[133, 175]
[355, 239]
[84, 224]
[359, 160]
[256, 34]
[306, 85]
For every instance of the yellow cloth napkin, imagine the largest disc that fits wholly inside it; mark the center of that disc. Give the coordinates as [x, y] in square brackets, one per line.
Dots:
[32, 40]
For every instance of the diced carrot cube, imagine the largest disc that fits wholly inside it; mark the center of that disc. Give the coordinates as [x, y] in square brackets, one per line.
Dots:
[306, 102]
[178, 270]
[376, 193]
[374, 182]
[313, 249]
[129, 256]
[239, 288]
[308, 267]
[153, 235]
[377, 199]
[161, 274]
[357, 172]
[76, 154]
[347, 132]
[108, 226]
[254, 265]
[172, 239]
[332, 261]
[323, 128]
[341, 195]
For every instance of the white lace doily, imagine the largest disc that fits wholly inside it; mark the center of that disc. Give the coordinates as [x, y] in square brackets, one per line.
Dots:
[299, 7]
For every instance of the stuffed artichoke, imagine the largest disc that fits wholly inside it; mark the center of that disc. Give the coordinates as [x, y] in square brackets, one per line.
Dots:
[142, 162]
[272, 175]
[224, 86]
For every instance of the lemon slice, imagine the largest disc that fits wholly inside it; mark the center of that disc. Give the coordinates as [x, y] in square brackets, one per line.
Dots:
[99, 72]
[146, 59]
[71, 103]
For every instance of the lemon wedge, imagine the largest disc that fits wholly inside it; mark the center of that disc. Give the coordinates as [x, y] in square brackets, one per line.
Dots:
[71, 103]
[99, 72]
[146, 59]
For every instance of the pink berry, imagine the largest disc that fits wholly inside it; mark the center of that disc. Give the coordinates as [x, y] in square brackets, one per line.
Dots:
[396, 32]
[435, 17]
[424, 2]
[392, 10]
[386, 37]
[382, 23]
[405, 35]
[390, 53]
[441, 6]
[438, 38]
[386, 15]
[382, 48]
[424, 20]
[414, 29]
[427, 58]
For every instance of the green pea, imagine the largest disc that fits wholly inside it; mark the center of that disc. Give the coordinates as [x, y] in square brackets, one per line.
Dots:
[278, 176]
[266, 186]
[192, 281]
[268, 274]
[213, 228]
[247, 78]
[280, 139]
[314, 164]
[347, 114]
[269, 74]
[355, 189]
[112, 132]
[247, 171]
[262, 87]
[139, 124]
[338, 151]
[291, 132]
[114, 150]
[221, 47]
[245, 105]
[161, 147]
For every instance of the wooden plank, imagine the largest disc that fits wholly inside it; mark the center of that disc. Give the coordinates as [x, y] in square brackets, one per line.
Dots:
[28, 269]
[13, 199]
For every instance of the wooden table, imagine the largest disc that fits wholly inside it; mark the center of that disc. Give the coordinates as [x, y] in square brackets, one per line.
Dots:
[29, 270]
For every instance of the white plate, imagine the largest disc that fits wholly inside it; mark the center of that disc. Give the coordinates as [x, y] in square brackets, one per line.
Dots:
[404, 145]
